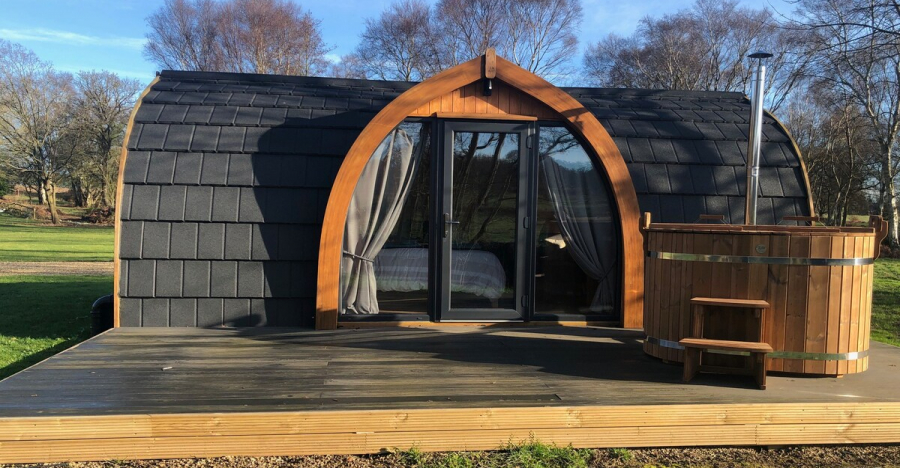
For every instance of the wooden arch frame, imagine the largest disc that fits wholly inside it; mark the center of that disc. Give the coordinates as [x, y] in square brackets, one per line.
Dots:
[580, 120]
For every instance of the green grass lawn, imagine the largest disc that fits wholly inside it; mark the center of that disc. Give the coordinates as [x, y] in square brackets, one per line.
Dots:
[43, 315]
[29, 241]
[886, 301]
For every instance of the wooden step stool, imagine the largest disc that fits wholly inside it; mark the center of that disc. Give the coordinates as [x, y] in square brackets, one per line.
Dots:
[695, 345]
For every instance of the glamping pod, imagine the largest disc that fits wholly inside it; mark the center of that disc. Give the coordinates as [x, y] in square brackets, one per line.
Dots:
[482, 194]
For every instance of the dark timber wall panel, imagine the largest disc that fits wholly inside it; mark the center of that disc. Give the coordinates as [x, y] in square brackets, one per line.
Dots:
[228, 175]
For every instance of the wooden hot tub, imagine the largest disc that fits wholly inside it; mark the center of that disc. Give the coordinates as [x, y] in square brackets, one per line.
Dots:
[817, 280]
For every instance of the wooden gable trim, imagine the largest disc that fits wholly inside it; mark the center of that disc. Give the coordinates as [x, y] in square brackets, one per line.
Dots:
[420, 96]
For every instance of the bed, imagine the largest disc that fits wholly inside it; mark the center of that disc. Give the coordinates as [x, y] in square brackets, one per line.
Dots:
[473, 271]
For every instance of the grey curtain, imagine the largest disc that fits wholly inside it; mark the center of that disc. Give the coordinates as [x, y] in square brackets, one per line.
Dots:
[581, 205]
[374, 210]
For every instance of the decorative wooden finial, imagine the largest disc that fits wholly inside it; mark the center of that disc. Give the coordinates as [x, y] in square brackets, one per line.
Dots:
[490, 64]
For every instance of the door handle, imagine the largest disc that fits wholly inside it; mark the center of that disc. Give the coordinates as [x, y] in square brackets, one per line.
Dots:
[448, 221]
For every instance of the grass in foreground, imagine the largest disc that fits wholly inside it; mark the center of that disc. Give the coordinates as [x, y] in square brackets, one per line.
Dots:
[886, 301]
[28, 241]
[534, 454]
[527, 454]
[43, 315]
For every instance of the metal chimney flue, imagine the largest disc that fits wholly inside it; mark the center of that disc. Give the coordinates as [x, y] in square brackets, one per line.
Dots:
[753, 147]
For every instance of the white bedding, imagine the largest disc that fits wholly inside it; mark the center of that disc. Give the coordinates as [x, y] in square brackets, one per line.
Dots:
[473, 271]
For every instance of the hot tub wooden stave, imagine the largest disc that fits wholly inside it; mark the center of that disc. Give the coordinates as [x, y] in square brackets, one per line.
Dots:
[818, 282]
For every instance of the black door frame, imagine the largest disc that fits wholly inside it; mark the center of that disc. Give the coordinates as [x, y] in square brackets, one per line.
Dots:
[441, 182]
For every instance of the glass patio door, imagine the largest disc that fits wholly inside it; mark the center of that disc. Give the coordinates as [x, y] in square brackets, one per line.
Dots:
[483, 222]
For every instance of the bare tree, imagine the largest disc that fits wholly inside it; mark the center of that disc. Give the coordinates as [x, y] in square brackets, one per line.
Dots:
[469, 27]
[855, 53]
[399, 44]
[349, 66]
[101, 109]
[248, 36]
[703, 48]
[34, 119]
[542, 35]
[411, 41]
[841, 156]
[270, 36]
[184, 35]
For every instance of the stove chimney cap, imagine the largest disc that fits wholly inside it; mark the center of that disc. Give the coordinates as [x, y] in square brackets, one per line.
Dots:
[760, 55]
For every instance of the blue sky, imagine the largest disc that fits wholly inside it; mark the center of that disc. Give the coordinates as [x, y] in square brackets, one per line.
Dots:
[108, 34]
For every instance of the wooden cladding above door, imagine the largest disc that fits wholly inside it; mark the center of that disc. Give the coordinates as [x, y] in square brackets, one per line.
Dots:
[469, 101]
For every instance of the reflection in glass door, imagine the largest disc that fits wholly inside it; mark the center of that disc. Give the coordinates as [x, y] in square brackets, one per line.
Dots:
[484, 222]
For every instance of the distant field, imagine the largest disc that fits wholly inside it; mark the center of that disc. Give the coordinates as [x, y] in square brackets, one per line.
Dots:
[886, 301]
[43, 315]
[28, 241]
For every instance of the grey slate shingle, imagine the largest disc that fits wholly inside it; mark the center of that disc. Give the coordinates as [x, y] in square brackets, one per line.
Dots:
[169, 278]
[680, 180]
[211, 241]
[140, 278]
[153, 136]
[125, 204]
[240, 170]
[130, 238]
[171, 202]
[237, 241]
[231, 139]
[187, 168]
[172, 113]
[726, 181]
[130, 312]
[253, 201]
[162, 168]
[206, 138]
[223, 279]
[144, 203]
[155, 242]
[199, 114]
[155, 313]
[209, 312]
[183, 244]
[657, 178]
[179, 137]
[196, 278]
[702, 180]
[214, 170]
[237, 313]
[198, 203]
[247, 116]
[183, 312]
[267, 169]
[250, 279]
[136, 167]
[225, 204]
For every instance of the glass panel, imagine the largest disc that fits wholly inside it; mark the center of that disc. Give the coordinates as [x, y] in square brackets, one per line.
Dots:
[485, 187]
[385, 263]
[577, 265]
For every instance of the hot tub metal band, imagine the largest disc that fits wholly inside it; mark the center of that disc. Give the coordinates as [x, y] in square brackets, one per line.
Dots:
[689, 257]
[776, 355]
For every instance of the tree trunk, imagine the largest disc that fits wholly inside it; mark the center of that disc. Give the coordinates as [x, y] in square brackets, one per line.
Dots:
[50, 190]
[889, 201]
[78, 195]
[41, 194]
[105, 198]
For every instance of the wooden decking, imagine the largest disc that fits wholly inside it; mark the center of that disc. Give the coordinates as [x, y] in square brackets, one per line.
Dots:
[157, 393]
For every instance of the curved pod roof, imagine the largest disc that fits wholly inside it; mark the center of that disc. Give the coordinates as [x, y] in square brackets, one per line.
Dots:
[227, 176]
